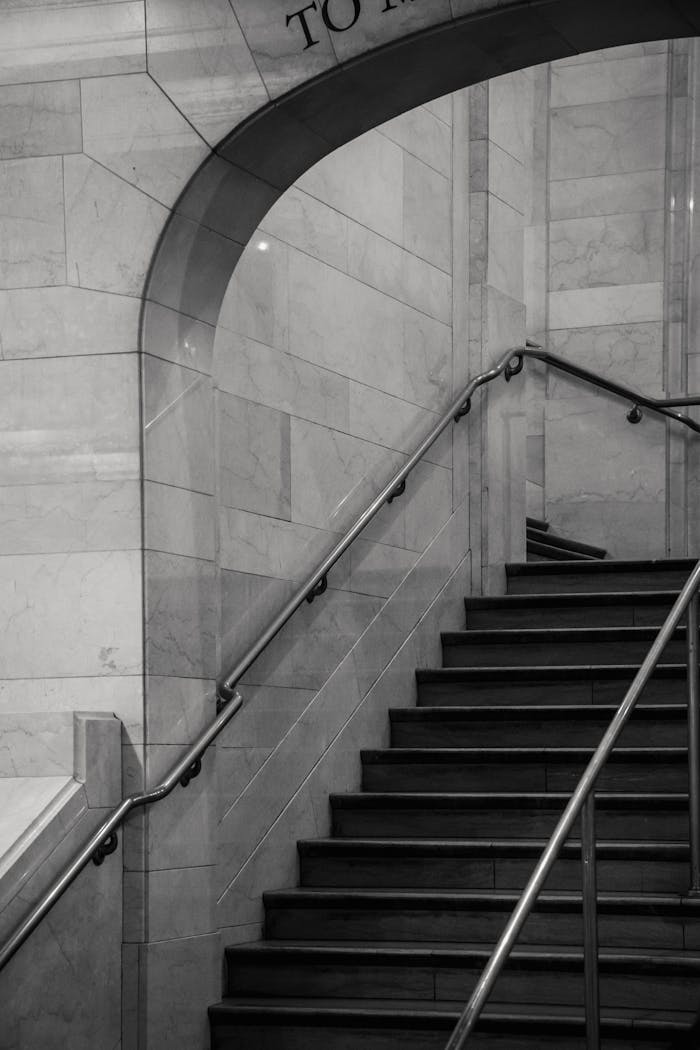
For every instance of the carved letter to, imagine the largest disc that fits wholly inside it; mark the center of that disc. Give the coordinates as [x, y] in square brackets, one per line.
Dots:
[301, 15]
[357, 8]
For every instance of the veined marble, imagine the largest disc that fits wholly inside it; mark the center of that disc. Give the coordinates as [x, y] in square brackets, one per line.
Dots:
[609, 80]
[178, 426]
[32, 239]
[133, 129]
[199, 56]
[608, 138]
[179, 521]
[40, 119]
[608, 250]
[630, 354]
[636, 191]
[427, 213]
[254, 465]
[180, 616]
[623, 304]
[425, 135]
[308, 224]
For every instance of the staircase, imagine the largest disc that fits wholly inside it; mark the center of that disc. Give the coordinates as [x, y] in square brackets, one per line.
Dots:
[544, 545]
[397, 913]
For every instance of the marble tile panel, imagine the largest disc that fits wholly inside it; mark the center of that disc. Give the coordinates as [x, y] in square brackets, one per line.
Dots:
[427, 361]
[608, 80]
[589, 307]
[40, 119]
[377, 568]
[121, 695]
[178, 521]
[634, 457]
[535, 277]
[375, 200]
[66, 322]
[257, 302]
[180, 903]
[35, 745]
[98, 757]
[280, 381]
[606, 250]
[343, 325]
[305, 223]
[611, 54]
[427, 213]
[442, 108]
[283, 58]
[399, 273]
[505, 249]
[376, 26]
[608, 138]
[629, 354]
[625, 528]
[227, 198]
[181, 605]
[424, 135]
[508, 102]
[32, 241]
[266, 717]
[111, 229]
[237, 766]
[534, 500]
[429, 505]
[395, 423]
[505, 323]
[89, 433]
[264, 546]
[254, 457]
[178, 338]
[178, 708]
[199, 56]
[637, 191]
[57, 621]
[180, 979]
[249, 603]
[333, 475]
[134, 130]
[63, 43]
[85, 516]
[506, 177]
[178, 441]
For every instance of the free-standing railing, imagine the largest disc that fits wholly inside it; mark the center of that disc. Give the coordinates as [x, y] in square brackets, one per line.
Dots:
[104, 840]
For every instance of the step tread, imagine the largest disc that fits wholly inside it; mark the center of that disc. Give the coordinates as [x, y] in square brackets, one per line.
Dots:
[537, 523]
[569, 598]
[496, 847]
[553, 539]
[518, 754]
[527, 635]
[595, 566]
[592, 712]
[552, 551]
[535, 672]
[502, 799]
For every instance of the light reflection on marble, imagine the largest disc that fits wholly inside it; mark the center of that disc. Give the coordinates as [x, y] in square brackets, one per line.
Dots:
[609, 250]
[90, 432]
[608, 138]
[178, 426]
[111, 229]
[131, 128]
[66, 322]
[197, 53]
[178, 338]
[178, 521]
[257, 301]
[40, 119]
[306, 223]
[56, 619]
[32, 245]
[23, 800]
[63, 43]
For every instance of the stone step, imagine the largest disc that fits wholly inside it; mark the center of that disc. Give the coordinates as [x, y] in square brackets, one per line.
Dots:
[646, 769]
[563, 546]
[611, 576]
[491, 863]
[566, 684]
[426, 972]
[548, 551]
[549, 646]
[592, 609]
[651, 816]
[625, 920]
[288, 1023]
[560, 725]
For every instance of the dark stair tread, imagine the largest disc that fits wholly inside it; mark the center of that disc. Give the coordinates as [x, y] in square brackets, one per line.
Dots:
[641, 960]
[537, 672]
[537, 523]
[605, 800]
[606, 849]
[551, 539]
[358, 1013]
[553, 635]
[568, 598]
[600, 567]
[551, 552]
[585, 712]
[434, 755]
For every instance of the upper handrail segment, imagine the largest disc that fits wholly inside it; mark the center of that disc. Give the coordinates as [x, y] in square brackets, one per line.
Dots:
[104, 840]
[576, 803]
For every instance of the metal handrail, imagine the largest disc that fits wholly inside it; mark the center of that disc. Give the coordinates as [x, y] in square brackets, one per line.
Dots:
[582, 803]
[104, 840]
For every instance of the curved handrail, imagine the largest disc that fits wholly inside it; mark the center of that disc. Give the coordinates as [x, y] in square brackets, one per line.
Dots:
[104, 840]
[583, 790]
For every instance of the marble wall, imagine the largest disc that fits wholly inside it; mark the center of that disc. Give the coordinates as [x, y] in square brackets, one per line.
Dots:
[616, 293]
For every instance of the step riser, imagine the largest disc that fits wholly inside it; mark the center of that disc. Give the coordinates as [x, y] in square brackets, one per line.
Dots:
[483, 874]
[447, 983]
[316, 1037]
[474, 926]
[552, 654]
[531, 733]
[585, 583]
[521, 776]
[430, 823]
[608, 615]
[510, 693]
